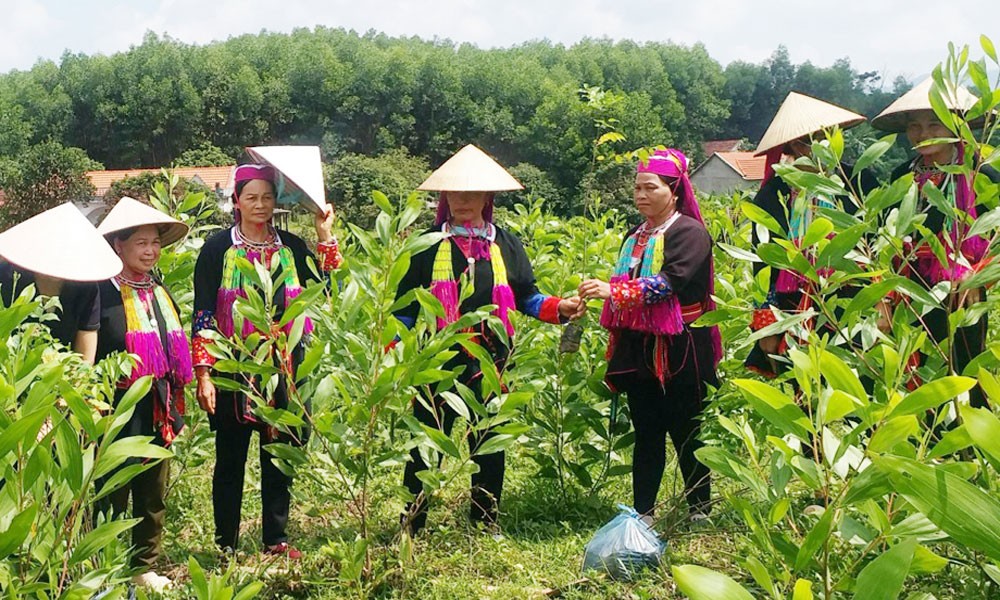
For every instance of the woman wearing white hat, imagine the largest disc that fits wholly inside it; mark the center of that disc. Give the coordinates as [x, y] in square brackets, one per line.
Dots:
[913, 115]
[67, 269]
[218, 283]
[501, 275]
[138, 316]
[800, 120]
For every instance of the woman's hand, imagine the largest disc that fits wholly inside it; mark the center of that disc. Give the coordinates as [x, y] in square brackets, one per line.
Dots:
[206, 390]
[595, 289]
[572, 308]
[324, 224]
[770, 344]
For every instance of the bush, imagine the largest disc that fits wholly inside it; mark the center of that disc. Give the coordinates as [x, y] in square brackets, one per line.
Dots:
[351, 179]
[43, 177]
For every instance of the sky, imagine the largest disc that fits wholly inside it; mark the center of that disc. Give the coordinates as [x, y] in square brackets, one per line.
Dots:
[894, 37]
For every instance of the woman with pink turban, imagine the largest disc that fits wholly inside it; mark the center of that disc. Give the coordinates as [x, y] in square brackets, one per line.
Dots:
[662, 283]
[218, 282]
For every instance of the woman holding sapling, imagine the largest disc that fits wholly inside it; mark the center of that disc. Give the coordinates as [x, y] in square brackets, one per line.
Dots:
[662, 283]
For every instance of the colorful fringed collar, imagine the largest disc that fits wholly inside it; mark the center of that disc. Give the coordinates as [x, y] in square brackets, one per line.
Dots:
[960, 194]
[232, 279]
[168, 360]
[642, 256]
[444, 286]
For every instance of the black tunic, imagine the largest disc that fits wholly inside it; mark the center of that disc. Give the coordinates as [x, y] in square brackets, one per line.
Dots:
[687, 264]
[773, 198]
[80, 303]
[111, 339]
[229, 406]
[519, 275]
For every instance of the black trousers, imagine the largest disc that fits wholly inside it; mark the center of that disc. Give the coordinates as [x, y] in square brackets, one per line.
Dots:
[231, 446]
[968, 343]
[657, 412]
[487, 484]
[147, 491]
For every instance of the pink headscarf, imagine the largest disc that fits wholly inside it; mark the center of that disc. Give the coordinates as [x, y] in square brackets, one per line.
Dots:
[672, 163]
[249, 173]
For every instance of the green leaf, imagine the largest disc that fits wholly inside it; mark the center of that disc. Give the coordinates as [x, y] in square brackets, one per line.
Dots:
[988, 47]
[815, 539]
[496, 443]
[761, 217]
[894, 431]
[984, 429]
[872, 154]
[441, 442]
[841, 377]
[99, 538]
[925, 561]
[21, 430]
[699, 583]
[776, 407]
[933, 394]
[963, 511]
[17, 532]
[803, 590]
[882, 578]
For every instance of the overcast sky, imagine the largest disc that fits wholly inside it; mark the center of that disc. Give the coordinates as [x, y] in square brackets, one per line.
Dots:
[895, 37]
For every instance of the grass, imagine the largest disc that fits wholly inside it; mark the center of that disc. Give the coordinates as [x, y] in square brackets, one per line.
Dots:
[538, 554]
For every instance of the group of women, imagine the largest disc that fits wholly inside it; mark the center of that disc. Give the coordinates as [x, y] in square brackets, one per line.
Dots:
[662, 282]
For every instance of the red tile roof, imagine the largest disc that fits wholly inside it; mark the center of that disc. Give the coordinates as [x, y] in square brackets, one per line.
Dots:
[749, 167]
[209, 176]
[713, 146]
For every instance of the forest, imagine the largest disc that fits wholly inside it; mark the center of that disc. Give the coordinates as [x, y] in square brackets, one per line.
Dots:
[399, 105]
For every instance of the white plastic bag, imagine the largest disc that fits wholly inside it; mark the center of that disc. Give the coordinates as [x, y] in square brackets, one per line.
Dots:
[624, 546]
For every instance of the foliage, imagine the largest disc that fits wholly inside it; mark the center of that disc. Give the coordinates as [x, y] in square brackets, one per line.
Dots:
[165, 102]
[59, 460]
[42, 177]
[863, 472]
[204, 155]
[351, 178]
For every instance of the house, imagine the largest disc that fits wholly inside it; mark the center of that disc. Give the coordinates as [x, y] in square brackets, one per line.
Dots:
[215, 178]
[725, 172]
[712, 146]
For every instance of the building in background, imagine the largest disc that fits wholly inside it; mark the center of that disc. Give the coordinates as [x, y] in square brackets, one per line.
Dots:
[726, 172]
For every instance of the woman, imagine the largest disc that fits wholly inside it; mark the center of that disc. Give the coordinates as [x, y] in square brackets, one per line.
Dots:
[68, 270]
[138, 316]
[662, 283]
[217, 284]
[912, 113]
[501, 274]
[799, 120]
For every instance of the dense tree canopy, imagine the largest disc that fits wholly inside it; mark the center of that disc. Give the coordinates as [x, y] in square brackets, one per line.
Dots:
[165, 102]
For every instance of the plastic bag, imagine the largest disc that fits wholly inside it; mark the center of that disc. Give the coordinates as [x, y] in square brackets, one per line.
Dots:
[624, 546]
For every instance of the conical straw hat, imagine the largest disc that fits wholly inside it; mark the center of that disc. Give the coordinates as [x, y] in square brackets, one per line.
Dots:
[800, 115]
[470, 170]
[301, 174]
[130, 213]
[60, 243]
[894, 117]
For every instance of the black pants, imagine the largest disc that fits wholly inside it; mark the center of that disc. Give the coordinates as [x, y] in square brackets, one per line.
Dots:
[656, 412]
[231, 446]
[487, 484]
[147, 491]
[968, 343]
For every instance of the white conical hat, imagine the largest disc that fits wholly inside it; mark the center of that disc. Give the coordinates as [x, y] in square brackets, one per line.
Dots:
[61, 243]
[800, 115]
[129, 213]
[894, 117]
[299, 166]
[470, 170]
